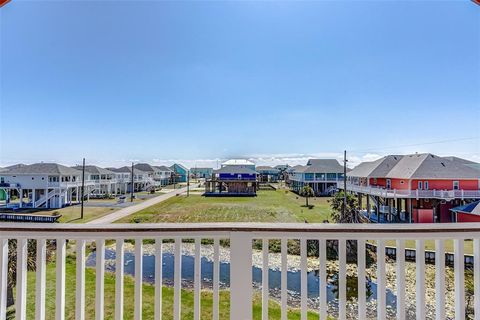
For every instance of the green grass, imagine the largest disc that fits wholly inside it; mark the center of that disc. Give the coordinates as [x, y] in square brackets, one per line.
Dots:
[267, 206]
[148, 298]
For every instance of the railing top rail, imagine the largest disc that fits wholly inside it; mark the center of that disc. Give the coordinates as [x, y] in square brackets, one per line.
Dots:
[427, 228]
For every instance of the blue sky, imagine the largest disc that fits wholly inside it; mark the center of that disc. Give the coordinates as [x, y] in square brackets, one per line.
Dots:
[162, 81]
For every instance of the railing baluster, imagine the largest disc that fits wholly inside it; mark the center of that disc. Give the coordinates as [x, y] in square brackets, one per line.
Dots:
[304, 287]
[381, 280]
[177, 291]
[265, 286]
[99, 278]
[283, 294]
[400, 279]
[342, 279]
[60, 269]
[40, 284]
[158, 278]
[3, 277]
[119, 268]
[476, 275]
[459, 269]
[439, 279]
[21, 303]
[80, 283]
[362, 311]
[420, 279]
[138, 278]
[216, 278]
[198, 280]
[322, 281]
[240, 276]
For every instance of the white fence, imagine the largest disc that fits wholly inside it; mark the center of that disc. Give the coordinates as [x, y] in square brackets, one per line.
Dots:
[240, 236]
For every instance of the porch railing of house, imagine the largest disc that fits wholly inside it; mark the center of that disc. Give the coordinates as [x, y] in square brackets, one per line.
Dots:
[418, 194]
[240, 236]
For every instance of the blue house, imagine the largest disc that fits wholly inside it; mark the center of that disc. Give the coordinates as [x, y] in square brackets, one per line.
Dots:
[232, 180]
[180, 173]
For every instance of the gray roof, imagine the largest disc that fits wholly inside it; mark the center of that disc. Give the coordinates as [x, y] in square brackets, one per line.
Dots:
[94, 169]
[265, 168]
[429, 166]
[145, 167]
[235, 169]
[44, 168]
[376, 169]
[321, 166]
[163, 168]
[126, 169]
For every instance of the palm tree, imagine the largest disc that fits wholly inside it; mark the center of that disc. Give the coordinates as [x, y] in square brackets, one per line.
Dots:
[306, 192]
[351, 214]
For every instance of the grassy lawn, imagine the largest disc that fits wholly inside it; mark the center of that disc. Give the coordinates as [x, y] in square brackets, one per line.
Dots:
[148, 298]
[268, 206]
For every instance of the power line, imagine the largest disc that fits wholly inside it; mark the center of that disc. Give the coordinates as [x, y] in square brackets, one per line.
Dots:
[415, 145]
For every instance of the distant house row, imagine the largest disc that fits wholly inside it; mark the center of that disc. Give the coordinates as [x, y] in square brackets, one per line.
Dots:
[52, 185]
[417, 188]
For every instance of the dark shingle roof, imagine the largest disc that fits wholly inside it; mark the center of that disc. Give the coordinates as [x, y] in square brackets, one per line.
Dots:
[44, 168]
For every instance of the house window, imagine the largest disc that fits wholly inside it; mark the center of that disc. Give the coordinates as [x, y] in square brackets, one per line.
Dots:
[425, 184]
[456, 185]
[389, 184]
[2, 180]
[420, 185]
[374, 181]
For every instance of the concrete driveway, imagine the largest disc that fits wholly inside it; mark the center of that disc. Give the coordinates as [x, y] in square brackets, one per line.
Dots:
[117, 215]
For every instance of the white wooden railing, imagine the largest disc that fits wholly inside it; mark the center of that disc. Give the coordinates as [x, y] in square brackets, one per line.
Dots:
[418, 194]
[241, 289]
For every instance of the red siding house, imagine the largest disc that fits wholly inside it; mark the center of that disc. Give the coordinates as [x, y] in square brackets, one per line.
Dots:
[414, 188]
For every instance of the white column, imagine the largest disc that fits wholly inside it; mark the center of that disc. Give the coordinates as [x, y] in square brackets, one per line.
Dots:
[47, 205]
[33, 198]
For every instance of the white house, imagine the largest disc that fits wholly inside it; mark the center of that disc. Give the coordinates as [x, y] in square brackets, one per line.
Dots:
[141, 179]
[43, 185]
[104, 179]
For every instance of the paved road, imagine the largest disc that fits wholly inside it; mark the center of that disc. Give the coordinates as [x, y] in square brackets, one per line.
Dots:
[117, 215]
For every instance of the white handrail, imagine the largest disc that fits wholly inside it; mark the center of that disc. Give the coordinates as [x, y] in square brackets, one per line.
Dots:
[240, 236]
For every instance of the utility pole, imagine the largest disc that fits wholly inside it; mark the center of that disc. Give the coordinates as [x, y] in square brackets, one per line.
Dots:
[188, 183]
[344, 183]
[83, 188]
[131, 190]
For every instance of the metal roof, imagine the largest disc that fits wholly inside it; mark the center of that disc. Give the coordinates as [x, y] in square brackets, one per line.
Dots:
[473, 208]
[238, 162]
